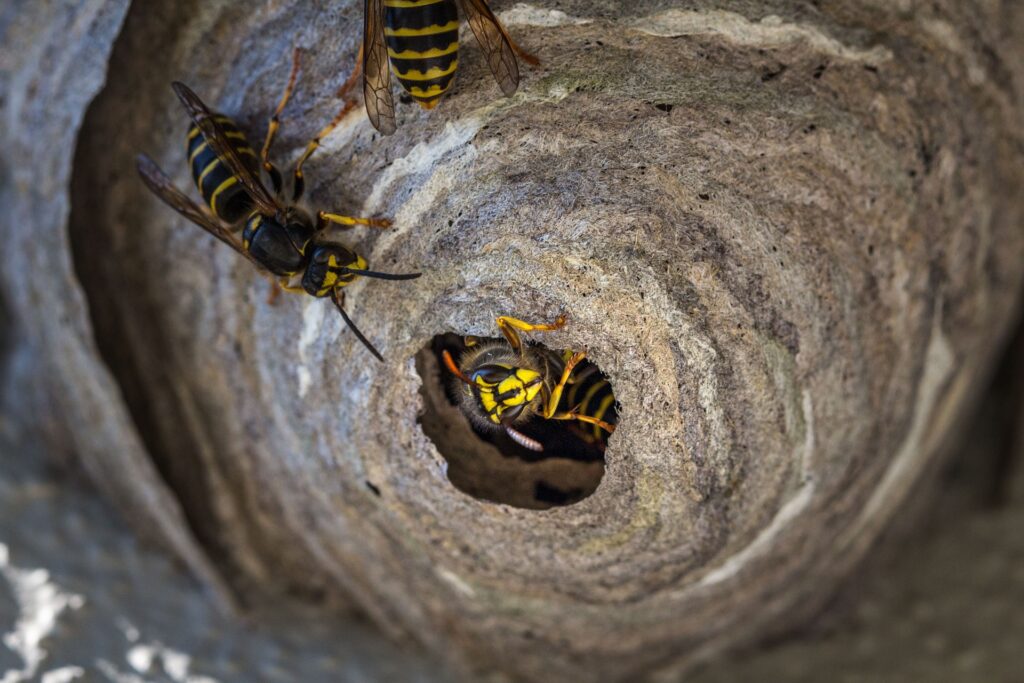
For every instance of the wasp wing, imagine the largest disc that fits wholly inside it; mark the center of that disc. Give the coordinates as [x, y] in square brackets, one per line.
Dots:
[218, 141]
[489, 32]
[380, 105]
[160, 185]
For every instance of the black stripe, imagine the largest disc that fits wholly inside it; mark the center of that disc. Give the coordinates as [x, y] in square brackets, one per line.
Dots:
[424, 65]
[423, 43]
[585, 377]
[444, 82]
[234, 203]
[213, 180]
[201, 161]
[435, 14]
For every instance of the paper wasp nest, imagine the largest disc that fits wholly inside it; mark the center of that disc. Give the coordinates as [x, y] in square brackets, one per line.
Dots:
[783, 231]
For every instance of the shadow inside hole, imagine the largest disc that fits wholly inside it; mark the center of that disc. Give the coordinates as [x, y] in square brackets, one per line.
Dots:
[488, 464]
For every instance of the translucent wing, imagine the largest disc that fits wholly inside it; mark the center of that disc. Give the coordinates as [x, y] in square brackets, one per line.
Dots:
[380, 106]
[501, 58]
[158, 182]
[218, 141]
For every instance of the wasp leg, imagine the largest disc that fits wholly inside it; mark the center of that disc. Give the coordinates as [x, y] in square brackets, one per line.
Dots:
[300, 184]
[551, 406]
[523, 54]
[573, 415]
[323, 219]
[281, 284]
[509, 327]
[275, 124]
[273, 292]
[350, 83]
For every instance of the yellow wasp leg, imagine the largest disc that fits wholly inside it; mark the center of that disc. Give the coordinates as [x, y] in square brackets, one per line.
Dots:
[573, 415]
[551, 407]
[523, 54]
[347, 222]
[354, 78]
[273, 292]
[275, 123]
[315, 143]
[281, 284]
[509, 327]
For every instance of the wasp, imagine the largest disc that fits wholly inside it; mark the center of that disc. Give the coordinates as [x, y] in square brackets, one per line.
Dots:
[505, 384]
[419, 41]
[277, 237]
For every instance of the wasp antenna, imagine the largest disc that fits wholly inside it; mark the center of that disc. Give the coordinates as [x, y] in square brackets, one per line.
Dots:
[355, 330]
[382, 276]
[523, 440]
[449, 363]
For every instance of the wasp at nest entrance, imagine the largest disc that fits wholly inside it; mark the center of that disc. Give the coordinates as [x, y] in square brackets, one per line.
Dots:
[518, 423]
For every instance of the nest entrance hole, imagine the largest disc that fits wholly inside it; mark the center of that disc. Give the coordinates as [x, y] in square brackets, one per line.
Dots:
[488, 464]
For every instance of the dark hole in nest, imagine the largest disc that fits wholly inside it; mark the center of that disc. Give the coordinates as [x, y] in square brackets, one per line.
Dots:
[487, 464]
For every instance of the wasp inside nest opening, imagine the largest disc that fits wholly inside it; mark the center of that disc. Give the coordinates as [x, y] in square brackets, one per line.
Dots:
[518, 423]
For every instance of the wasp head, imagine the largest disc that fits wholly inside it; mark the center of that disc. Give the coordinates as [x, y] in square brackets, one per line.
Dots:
[505, 391]
[328, 269]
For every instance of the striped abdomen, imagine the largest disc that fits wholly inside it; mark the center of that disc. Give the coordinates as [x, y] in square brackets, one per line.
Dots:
[423, 44]
[219, 187]
[592, 394]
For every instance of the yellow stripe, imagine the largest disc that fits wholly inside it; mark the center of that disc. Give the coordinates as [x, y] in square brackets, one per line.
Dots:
[431, 74]
[209, 167]
[587, 397]
[603, 408]
[200, 147]
[410, 3]
[432, 52]
[194, 130]
[223, 186]
[197, 151]
[425, 31]
[432, 91]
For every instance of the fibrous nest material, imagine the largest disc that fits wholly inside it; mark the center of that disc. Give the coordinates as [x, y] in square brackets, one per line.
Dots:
[783, 231]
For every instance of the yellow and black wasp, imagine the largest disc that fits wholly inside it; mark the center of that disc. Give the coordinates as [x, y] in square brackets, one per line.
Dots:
[419, 41]
[278, 237]
[505, 384]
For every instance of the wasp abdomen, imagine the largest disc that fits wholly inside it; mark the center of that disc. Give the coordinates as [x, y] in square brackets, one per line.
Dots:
[423, 45]
[590, 394]
[219, 187]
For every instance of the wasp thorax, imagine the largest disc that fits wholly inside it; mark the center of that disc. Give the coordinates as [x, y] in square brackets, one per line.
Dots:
[488, 420]
[328, 269]
[278, 247]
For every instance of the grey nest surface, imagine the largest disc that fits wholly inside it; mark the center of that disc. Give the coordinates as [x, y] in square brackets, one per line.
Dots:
[786, 233]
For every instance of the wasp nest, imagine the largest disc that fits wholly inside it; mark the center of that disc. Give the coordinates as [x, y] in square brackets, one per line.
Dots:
[781, 230]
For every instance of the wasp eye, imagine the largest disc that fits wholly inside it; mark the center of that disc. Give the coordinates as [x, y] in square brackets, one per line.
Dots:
[491, 374]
